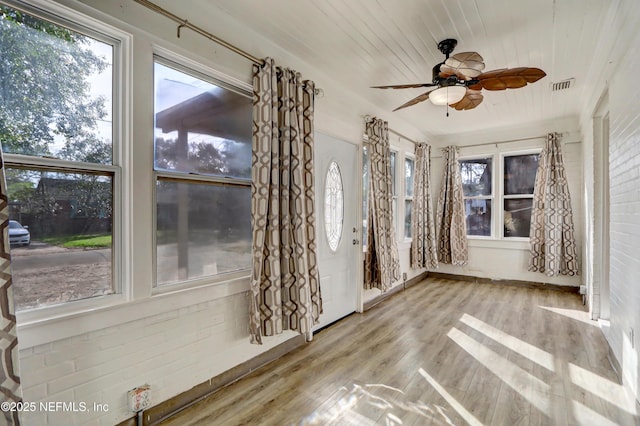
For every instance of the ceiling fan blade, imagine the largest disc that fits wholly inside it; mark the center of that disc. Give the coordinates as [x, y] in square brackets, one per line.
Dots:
[404, 86]
[446, 71]
[471, 99]
[503, 79]
[414, 101]
[469, 64]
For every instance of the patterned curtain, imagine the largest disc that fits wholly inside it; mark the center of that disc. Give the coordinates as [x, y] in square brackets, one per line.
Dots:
[285, 285]
[424, 253]
[382, 262]
[553, 243]
[10, 389]
[452, 227]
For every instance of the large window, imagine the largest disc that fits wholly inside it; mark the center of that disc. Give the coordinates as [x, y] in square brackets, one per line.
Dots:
[519, 180]
[477, 186]
[56, 129]
[514, 180]
[203, 175]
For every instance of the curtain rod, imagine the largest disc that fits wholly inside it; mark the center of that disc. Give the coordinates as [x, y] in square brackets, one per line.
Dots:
[186, 24]
[561, 134]
[368, 119]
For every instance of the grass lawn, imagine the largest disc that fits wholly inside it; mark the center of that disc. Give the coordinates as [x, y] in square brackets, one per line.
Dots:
[80, 241]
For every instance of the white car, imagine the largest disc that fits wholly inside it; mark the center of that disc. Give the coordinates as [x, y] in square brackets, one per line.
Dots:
[18, 234]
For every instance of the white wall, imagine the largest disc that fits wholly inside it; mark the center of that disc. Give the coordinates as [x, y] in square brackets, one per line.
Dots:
[615, 65]
[176, 340]
[509, 259]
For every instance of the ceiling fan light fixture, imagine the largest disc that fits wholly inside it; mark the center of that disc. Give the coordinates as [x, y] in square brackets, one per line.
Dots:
[447, 95]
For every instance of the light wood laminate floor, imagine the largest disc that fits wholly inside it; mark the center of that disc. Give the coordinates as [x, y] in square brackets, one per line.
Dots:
[439, 353]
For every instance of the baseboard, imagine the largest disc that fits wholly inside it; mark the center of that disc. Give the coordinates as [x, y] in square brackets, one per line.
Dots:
[514, 283]
[413, 281]
[167, 408]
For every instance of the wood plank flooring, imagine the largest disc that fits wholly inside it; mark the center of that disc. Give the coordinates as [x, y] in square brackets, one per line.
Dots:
[441, 352]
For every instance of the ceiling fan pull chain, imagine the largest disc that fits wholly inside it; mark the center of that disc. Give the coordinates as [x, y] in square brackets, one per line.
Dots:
[447, 100]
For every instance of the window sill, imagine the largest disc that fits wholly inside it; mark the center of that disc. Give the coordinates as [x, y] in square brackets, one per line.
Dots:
[46, 325]
[516, 244]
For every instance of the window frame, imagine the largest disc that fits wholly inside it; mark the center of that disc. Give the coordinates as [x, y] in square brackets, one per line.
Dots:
[500, 225]
[497, 206]
[170, 59]
[492, 197]
[118, 169]
[411, 157]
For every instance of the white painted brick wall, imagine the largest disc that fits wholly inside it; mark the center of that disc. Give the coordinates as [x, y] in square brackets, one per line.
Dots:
[620, 57]
[172, 352]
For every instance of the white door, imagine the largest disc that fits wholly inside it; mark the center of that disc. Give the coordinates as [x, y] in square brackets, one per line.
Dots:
[338, 234]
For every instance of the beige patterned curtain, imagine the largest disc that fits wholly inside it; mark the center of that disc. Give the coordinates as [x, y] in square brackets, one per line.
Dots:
[382, 262]
[553, 242]
[424, 253]
[285, 285]
[10, 389]
[452, 227]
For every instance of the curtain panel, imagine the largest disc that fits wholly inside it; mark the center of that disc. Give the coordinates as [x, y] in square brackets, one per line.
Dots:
[10, 388]
[553, 242]
[285, 284]
[424, 253]
[382, 261]
[452, 227]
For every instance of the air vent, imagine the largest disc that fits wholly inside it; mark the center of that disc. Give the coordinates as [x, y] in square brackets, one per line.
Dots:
[562, 85]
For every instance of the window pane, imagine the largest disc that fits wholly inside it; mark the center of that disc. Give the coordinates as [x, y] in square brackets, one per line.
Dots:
[408, 204]
[202, 230]
[476, 176]
[478, 213]
[520, 174]
[65, 252]
[200, 127]
[56, 95]
[517, 217]
[333, 206]
[408, 173]
[393, 173]
[365, 194]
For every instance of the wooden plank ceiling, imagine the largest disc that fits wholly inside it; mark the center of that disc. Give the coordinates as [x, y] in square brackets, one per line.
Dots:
[362, 43]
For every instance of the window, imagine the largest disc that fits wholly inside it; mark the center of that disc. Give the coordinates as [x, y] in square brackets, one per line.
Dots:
[519, 180]
[477, 189]
[56, 127]
[408, 194]
[203, 175]
[333, 206]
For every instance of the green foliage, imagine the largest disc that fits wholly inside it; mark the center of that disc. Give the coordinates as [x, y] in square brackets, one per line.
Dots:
[80, 241]
[44, 88]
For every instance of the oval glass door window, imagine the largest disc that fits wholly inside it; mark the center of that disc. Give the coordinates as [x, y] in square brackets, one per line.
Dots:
[333, 206]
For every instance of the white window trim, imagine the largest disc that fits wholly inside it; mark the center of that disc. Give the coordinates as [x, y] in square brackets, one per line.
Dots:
[411, 156]
[121, 68]
[491, 197]
[497, 238]
[134, 263]
[172, 60]
[499, 226]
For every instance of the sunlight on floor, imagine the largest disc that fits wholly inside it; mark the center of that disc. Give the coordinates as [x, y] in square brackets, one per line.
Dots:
[466, 415]
[575, 314]
[599, 391]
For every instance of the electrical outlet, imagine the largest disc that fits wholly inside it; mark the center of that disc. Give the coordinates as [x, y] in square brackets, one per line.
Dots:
[139, 398]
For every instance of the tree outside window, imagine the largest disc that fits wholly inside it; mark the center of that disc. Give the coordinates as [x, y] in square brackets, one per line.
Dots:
[56, 117]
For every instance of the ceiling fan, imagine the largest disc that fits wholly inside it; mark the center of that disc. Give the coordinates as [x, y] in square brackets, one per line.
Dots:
[458, 80]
